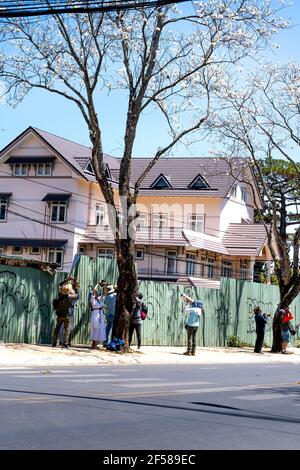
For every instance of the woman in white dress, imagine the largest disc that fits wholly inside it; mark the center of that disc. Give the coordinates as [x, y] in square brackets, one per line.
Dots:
[97, 320]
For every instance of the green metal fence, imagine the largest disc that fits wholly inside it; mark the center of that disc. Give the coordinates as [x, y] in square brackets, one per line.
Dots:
[26, 313]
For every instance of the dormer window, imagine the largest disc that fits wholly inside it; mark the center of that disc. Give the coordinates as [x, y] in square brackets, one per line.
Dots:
[44, 169]
[20, 169]
[89, 168]
[199, 183]
[162, 182]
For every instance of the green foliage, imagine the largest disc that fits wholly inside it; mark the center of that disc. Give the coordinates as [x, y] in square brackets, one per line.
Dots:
[234, 341]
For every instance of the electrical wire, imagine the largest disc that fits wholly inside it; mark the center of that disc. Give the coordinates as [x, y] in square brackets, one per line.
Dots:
[17, 9]
[154, 254]
[183, 225]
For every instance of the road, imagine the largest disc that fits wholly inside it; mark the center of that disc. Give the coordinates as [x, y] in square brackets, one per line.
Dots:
[151, 407]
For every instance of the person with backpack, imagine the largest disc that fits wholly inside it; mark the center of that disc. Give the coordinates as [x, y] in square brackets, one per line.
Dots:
[139, 314]
[286, 327]
[62, 305]
[195, 309]
[261, 320]
[76, 289]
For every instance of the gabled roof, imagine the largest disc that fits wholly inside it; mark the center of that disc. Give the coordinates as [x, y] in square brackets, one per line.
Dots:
[76, 155]
[179, 173]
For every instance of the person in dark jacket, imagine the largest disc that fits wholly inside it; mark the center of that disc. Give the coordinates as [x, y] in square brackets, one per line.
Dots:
[65, 298]
[261, 320]
[136, 321]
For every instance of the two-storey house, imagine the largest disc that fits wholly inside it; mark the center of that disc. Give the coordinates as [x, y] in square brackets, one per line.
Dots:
[196, 221]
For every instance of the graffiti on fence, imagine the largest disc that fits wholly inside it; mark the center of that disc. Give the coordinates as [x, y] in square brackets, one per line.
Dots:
[15, 301]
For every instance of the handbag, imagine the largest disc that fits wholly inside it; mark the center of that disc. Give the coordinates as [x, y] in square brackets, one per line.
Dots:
[143, 315]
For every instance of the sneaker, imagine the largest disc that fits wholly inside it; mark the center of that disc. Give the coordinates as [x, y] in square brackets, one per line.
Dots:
[193, 354]
[54, 345]
[187, 353]
[66, 346]
[138, 350]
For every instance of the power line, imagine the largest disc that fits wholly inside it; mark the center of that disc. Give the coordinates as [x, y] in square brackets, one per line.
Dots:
[17, 9]
[183, 225]
[152, 254]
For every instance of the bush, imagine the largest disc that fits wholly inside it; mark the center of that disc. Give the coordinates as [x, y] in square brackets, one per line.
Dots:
[234, 342]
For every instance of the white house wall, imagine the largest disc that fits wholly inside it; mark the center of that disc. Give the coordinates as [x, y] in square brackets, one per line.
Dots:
[233, 210]
[26, 210]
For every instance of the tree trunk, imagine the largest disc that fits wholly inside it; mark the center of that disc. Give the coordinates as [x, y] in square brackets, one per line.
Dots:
[287, 295]
[277, 341]
[127, 289]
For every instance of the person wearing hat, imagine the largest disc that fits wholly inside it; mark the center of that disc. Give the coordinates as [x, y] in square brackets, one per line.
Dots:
[195, 309]
[76, 288]
[260, 322]
[65, 298]
[110, 304]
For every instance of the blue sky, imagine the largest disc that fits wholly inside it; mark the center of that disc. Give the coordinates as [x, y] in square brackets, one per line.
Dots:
[53, 114]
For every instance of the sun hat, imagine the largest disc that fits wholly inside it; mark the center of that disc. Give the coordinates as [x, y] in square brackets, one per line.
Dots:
[66, 289]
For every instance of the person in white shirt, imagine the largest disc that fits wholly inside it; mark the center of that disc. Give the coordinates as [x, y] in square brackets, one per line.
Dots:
[194, 309]
[97, 319]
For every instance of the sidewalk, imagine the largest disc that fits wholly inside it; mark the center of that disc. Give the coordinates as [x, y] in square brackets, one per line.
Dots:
[22, 355]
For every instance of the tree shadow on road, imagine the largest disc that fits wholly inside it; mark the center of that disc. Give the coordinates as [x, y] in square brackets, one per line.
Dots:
[219, 409]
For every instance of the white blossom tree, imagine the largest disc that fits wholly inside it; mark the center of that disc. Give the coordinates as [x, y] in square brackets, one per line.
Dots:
[164, 60]
[261, 121]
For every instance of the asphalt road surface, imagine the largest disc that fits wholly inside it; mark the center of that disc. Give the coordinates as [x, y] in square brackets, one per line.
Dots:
[151, 407]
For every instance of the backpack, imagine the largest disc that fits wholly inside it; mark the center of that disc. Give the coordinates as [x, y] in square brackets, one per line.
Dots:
[287, 317]
[140, 311]
[116, 344]
[55, 303]
[143, 315]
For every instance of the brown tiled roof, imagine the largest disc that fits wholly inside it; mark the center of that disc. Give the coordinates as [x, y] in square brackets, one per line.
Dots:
[219, 173]
[77, 155]
[239, 239]
[202, 241]
[144, 236]
[245, 239]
